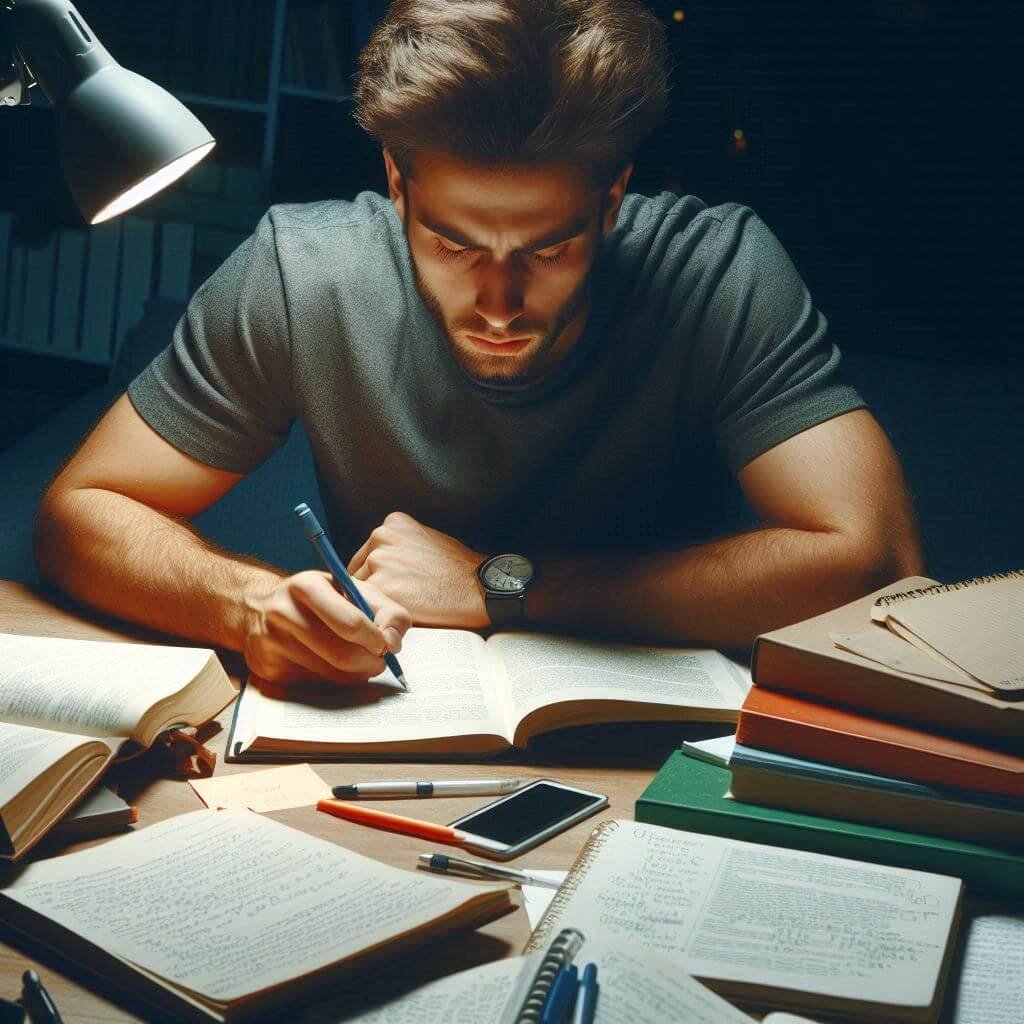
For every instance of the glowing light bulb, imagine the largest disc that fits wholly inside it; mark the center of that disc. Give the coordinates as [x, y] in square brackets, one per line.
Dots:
[678, 15]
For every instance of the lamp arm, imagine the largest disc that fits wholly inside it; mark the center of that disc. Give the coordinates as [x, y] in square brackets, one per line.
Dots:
[15, 77]
[45, 42]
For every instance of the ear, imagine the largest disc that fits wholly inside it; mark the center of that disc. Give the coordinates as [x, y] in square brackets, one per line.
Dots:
[613, 199]
[395, 183]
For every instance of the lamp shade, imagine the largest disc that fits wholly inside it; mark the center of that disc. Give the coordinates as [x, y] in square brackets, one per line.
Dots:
[120, 137]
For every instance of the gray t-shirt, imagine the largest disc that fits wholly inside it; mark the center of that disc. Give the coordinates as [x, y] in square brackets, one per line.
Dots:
[702, 350]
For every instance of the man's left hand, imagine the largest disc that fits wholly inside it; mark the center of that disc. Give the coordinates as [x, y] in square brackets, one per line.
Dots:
[428, 573]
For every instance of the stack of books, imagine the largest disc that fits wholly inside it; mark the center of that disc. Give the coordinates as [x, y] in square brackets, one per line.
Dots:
[888, 729]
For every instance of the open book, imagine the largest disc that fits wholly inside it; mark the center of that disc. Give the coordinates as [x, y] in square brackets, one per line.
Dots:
[68, 706]
[765, 925]
[279, 912]
[468, 696]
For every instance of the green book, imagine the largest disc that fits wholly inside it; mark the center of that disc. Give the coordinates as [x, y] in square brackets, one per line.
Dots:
[690, 794]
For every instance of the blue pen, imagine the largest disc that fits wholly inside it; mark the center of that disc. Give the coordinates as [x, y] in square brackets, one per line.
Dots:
[586, 999]
[325, 549]
[562, 993]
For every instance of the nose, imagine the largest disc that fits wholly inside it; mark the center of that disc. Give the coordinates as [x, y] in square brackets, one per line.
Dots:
[499, 296]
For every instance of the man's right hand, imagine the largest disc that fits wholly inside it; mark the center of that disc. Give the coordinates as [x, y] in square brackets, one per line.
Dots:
[302, 628]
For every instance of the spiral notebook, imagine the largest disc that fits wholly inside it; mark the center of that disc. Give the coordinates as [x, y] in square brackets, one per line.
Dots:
[974, 626]
[766, 926]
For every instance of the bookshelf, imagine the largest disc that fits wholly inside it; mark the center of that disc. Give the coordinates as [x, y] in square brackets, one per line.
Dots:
[289, 25]
[252, 70]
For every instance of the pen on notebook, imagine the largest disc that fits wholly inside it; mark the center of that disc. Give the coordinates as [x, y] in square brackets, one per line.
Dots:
[586, 996]
[455, 787]
[561, 996]
[364, 815]
[443, 863]
[325, 549]
[40, 1007]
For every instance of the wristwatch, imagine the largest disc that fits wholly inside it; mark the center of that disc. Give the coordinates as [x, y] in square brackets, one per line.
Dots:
[505, 579]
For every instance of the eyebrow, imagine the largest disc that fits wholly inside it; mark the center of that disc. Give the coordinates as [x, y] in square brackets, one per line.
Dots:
[554, 237]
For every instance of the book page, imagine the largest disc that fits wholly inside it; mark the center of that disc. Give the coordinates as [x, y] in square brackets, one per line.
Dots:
[989, 988]
[476, 995]
[543, 670]
[979, 628]
[733, 911]
[26, 752]
[273, 903]
[91, 687]
[639, 987]
[451, 693]
[886, 648]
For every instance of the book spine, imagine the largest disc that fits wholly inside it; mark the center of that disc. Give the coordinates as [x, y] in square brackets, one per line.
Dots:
[67, 296]
[15, 293]
[984, 873]
[176, 245]
[136, 276]
[100, 290]
[817, 743]
[779, 666]
[5, 253]
[873, 805]
[39, 264]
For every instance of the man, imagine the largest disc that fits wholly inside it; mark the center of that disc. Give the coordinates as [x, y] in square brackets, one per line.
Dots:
[508, 356]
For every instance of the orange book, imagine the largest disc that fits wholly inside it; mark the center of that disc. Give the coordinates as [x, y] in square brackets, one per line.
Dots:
[791, 725]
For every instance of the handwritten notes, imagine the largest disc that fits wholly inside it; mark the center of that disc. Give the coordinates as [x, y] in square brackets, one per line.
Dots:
[271, 789]
[276, 903]
[991, 982]
[774, 918]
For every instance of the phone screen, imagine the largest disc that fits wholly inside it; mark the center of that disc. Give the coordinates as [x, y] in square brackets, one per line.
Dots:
[516, 819]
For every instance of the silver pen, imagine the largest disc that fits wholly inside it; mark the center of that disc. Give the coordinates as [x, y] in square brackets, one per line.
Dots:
[443, 863]
[454, 787]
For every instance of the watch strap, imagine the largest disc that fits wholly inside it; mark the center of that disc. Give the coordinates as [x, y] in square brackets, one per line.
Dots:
[505, 609]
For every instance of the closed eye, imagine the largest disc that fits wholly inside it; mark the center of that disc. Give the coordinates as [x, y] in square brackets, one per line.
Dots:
[447, 253]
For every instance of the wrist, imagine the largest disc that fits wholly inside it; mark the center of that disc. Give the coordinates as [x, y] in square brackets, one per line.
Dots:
[245, 614]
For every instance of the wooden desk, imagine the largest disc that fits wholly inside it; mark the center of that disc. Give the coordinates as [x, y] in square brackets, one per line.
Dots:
[616, 761]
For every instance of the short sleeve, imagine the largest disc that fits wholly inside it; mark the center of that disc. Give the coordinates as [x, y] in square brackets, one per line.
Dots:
[771, 366]
[221, 390]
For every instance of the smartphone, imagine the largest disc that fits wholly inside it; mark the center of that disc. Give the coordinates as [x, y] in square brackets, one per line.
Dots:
[511, 824]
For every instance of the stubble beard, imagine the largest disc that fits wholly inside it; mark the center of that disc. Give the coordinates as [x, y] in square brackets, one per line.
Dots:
[506, 371]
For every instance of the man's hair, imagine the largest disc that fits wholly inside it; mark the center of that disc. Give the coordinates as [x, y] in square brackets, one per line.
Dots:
[506, 82]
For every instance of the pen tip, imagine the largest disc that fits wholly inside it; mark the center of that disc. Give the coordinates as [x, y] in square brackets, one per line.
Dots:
[401, 679]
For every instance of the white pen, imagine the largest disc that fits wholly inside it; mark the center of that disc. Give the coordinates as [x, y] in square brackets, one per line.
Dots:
[454, 787]
[443, 863]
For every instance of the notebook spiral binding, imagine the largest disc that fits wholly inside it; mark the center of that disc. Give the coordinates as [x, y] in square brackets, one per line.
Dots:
[945, 588]
[546, 924]
[561, 952]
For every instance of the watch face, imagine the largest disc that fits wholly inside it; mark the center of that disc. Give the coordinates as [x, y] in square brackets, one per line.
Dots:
[507, 572]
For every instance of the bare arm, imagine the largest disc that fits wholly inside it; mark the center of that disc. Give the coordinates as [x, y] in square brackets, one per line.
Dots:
[113, 531]
[838, 522]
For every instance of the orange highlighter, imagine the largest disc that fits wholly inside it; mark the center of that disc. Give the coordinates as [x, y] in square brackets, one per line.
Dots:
[364, 815]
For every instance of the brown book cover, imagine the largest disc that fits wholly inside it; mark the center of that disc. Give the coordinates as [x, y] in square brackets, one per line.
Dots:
[803, 659]
[791, 725]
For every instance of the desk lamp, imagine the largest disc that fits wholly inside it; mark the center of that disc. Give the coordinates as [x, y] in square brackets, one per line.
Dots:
[121, 138]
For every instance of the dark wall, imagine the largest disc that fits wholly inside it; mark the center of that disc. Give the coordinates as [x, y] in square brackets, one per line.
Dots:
[876, 144]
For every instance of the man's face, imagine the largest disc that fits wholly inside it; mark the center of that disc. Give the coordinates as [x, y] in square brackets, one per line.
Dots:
[502, 257]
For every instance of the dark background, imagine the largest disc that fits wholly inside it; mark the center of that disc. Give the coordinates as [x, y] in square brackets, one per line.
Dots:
[877, 143]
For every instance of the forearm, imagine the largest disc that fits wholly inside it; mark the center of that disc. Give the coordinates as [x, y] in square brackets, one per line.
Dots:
[722, 593]
[122, 557]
